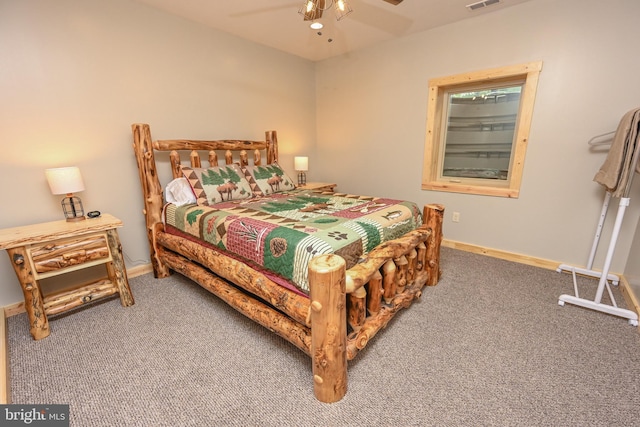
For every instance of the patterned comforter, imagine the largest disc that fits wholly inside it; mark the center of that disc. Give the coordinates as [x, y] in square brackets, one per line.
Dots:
[281, 232]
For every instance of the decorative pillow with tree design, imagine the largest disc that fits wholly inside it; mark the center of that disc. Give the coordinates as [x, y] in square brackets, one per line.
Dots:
[217, 184]
[268, 179]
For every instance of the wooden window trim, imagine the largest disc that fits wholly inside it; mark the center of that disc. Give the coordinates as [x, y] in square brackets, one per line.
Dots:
[431, 178]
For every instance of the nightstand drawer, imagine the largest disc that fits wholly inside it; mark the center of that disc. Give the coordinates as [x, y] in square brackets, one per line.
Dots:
[63, 255]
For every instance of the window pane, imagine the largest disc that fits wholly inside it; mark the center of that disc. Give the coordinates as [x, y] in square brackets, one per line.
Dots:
[479, 132]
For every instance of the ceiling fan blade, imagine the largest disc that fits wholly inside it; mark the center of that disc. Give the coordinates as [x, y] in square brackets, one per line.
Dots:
[394, 2]
[380, 17]
[264, 10]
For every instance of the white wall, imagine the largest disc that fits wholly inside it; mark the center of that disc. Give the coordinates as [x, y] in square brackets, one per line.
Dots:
[74, 76]
[632, 269]
[371, 119]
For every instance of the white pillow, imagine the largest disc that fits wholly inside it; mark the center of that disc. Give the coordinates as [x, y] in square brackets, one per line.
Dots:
[179, 192]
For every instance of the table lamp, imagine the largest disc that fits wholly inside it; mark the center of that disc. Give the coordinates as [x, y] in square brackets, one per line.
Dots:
[67, 181]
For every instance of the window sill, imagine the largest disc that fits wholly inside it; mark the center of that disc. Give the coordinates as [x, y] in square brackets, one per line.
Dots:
[481, 190]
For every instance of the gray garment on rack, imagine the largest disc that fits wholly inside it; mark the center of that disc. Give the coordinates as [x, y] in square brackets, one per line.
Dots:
[615, 172]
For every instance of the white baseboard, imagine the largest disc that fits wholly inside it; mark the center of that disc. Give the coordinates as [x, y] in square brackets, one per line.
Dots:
[497, 253]
[139, 270]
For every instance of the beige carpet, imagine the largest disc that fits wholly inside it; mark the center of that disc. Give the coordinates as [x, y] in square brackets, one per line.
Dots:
[488, 346]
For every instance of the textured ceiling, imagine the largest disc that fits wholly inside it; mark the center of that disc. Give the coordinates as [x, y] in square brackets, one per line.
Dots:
[276, 23]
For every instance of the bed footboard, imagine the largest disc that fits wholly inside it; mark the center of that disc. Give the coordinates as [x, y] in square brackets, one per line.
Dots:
[339, 296]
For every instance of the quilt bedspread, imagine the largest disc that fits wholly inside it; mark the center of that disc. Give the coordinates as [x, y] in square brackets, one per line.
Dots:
[283, 231]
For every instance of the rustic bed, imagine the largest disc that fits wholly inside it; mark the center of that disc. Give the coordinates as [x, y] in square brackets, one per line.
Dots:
[344, 308]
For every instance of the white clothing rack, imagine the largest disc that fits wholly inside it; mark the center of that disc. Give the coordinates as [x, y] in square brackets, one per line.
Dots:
[604, 275]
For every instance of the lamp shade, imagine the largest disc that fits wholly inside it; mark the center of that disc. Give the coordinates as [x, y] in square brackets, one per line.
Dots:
[301, 163]
[64, 180]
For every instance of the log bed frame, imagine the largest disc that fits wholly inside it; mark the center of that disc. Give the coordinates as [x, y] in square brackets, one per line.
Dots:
[345, 308]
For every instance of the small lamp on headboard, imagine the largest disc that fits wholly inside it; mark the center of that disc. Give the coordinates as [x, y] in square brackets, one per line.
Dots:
[301, 165]
[67, 181]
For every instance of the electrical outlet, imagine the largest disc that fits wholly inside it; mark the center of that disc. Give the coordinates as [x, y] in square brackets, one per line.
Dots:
[455, 217]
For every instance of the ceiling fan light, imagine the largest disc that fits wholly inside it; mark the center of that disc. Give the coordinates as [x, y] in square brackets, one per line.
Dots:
[311, 9]
[310, 6]
[315, 25]
[342, 9]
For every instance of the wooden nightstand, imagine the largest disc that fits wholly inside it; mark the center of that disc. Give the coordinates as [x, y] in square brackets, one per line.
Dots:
[49, 249]
[320, 186]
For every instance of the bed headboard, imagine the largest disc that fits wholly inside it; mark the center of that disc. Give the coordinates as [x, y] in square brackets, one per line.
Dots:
[234, 150]
[145, 147]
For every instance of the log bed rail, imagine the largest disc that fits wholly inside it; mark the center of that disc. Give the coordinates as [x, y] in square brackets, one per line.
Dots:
[345, 308]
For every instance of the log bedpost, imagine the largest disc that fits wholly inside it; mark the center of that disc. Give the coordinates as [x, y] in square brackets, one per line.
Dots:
[152, 191]
[272, 146]
[433, 215]
[328, 327]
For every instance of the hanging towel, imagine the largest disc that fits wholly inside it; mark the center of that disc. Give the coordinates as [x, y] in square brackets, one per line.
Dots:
[617, 168]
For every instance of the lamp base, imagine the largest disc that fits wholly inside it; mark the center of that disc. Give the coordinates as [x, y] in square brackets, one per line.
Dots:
[302, 178]
[72, 208]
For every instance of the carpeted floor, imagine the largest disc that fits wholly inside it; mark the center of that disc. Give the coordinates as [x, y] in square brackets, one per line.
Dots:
[488, 346]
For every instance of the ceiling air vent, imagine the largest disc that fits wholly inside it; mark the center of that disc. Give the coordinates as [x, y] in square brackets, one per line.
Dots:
[481, 4]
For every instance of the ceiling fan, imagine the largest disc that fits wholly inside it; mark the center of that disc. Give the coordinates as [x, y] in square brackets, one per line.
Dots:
[312, 10]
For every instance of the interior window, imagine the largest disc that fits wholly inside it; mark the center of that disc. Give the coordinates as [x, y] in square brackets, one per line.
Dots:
[477, 130]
